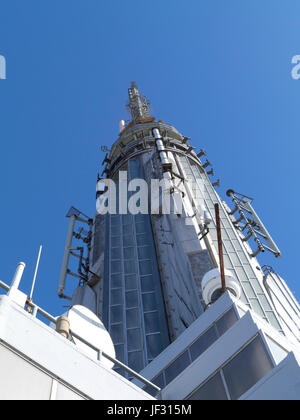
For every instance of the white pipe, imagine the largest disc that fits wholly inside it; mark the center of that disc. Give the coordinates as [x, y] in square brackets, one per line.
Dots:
[160, 146]
[121, 125]
[17, 277]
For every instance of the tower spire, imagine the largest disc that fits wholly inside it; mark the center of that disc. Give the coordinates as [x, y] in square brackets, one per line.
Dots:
[138, 104]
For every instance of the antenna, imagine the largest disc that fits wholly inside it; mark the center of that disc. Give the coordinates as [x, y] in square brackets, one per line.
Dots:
[35, 273]
[138, 104]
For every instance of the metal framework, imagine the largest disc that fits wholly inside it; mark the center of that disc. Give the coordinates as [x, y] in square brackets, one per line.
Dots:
[83, 270]
[251, 223]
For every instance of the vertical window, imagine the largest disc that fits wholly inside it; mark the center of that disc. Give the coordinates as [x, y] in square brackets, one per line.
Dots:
[247, 368]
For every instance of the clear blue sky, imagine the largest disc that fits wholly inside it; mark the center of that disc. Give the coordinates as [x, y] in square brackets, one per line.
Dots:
[220, 71]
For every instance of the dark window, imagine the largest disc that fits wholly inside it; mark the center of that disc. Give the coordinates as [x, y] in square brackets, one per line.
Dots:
[149, 302]
[134, 339]
[147, 284]
[212, 390]
[116, 314]
[133, 318]
[132, 299]
[203, 343]
[135, 360]
[247, 368]
[154, 345]
[151, 322]
[226, 322]
[177, 367]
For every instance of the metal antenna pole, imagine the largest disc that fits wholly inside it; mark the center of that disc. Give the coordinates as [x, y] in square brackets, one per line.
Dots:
[35, 273]
[220, 246]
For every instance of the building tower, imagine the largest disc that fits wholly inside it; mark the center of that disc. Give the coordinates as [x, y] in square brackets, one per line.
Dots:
[150, 276]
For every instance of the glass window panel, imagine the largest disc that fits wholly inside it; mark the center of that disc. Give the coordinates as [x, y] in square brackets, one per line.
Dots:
[140, 228]
[130, 266]
[243, 257]
[226, 322]
[227, 261]
[232, 235]
[145, 267]
[127, 230]
[117, 333]
[131, 282]
[212, 390]
[142, 239]
[177, 367]
[116, 313]
[115, 230]
[116, 253]
[241, 274]
[116, 267]
[128, 240]
[144, 252]
[273, 321]
[135, 360]
[256, 285]
[249, 271]
[134, 339]
[247, 368]
[228, 246]
[115, 220]
[236, 243]
[127, 219]
[133, 318]
[244, 297]
[116, 297]
[154, 345]
[203, 343]
[264, 301]
[147, 284]
[140, 218]
[248, 289]
[257, 307]
[120, 353]
[116, 280]
[129, 253]
[149, 302]
[151, 322]
[115, 241]
[132, 299]
[235, 259]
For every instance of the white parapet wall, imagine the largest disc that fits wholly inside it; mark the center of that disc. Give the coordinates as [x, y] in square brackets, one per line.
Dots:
[36, 363]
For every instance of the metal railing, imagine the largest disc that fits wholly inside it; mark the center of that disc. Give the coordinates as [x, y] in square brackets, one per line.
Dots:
[34, 310]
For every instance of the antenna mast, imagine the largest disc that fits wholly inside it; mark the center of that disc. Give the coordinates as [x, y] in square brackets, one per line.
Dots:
[138, 104]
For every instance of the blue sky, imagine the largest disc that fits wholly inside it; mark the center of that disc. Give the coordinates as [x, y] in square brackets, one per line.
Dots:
[220, 71]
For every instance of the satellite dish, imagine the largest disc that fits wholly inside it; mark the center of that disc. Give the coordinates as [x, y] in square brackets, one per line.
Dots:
[87, 325]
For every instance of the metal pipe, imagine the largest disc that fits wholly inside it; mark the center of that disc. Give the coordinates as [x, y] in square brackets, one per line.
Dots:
[17, 277]
[35, 273]
[65, 263]
[4, 286]
[220, 246]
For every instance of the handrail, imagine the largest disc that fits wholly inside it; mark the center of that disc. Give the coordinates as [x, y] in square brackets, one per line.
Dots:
[38, 310]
